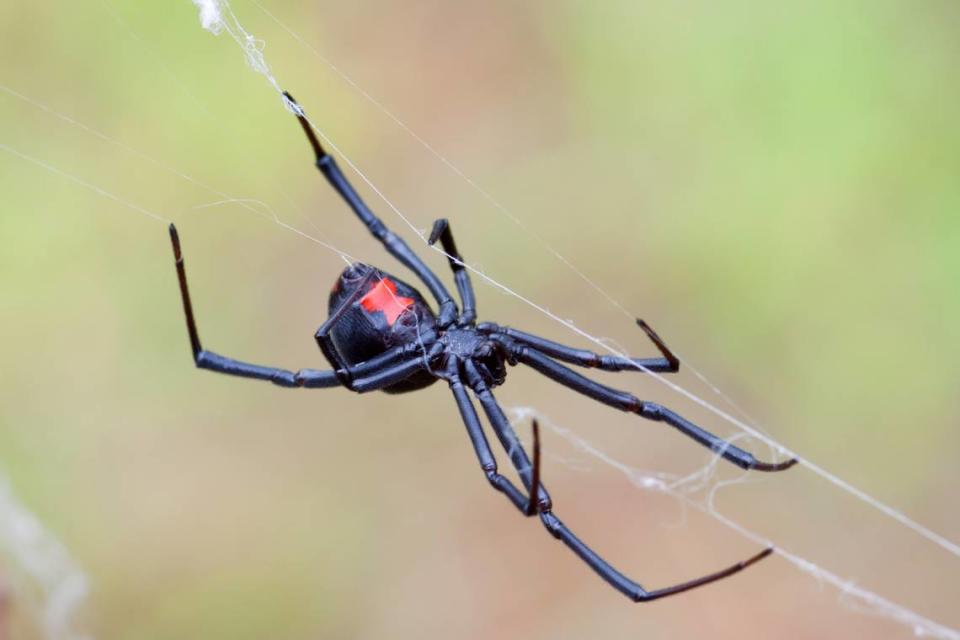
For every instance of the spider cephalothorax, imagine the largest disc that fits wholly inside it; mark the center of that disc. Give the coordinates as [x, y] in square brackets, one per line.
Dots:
[382, 335]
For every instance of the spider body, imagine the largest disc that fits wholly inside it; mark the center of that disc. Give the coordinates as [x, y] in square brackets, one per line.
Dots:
[372, 312]
[381, 334]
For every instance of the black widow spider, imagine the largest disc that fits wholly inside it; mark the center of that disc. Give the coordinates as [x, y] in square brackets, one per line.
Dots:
[382, 335]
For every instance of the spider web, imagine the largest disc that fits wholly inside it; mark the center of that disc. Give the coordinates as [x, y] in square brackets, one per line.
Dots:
[216, 16]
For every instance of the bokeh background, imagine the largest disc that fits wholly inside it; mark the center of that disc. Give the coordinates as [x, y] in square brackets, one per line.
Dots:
[774, 188]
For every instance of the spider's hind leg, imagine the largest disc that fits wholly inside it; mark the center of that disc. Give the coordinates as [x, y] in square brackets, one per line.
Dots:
[376, 373]
[215, 362]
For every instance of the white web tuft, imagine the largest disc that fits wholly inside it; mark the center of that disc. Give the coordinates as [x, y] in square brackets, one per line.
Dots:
[210, 18]
[217, 16]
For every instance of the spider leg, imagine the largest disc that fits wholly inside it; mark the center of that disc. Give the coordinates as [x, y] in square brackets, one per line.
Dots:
[386, 376]
[480, 445]
[625, 585]
[669, 363]
[441, 231]
[313, 378]
[628, 402]
[531, 477]
[507, 436]
[534, 492]
[393, 243]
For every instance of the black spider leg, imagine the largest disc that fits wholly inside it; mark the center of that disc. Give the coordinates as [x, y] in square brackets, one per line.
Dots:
[441, 231]
[395, 373]
[506, 435]
[530, 474]
[534, 491]
[369, 372]
[393, 243]
[669, 363]
[479, 440]
[628, 402]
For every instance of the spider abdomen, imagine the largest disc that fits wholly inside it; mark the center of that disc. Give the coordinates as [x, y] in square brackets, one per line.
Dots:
[382, 312]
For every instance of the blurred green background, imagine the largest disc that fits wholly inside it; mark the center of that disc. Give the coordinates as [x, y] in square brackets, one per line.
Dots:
[773, 188]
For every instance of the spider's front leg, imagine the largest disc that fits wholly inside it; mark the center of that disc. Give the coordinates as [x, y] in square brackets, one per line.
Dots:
[373, 374]
[669, 363]
[628, 402]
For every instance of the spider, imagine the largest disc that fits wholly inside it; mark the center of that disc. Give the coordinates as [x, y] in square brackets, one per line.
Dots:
[382, 335]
